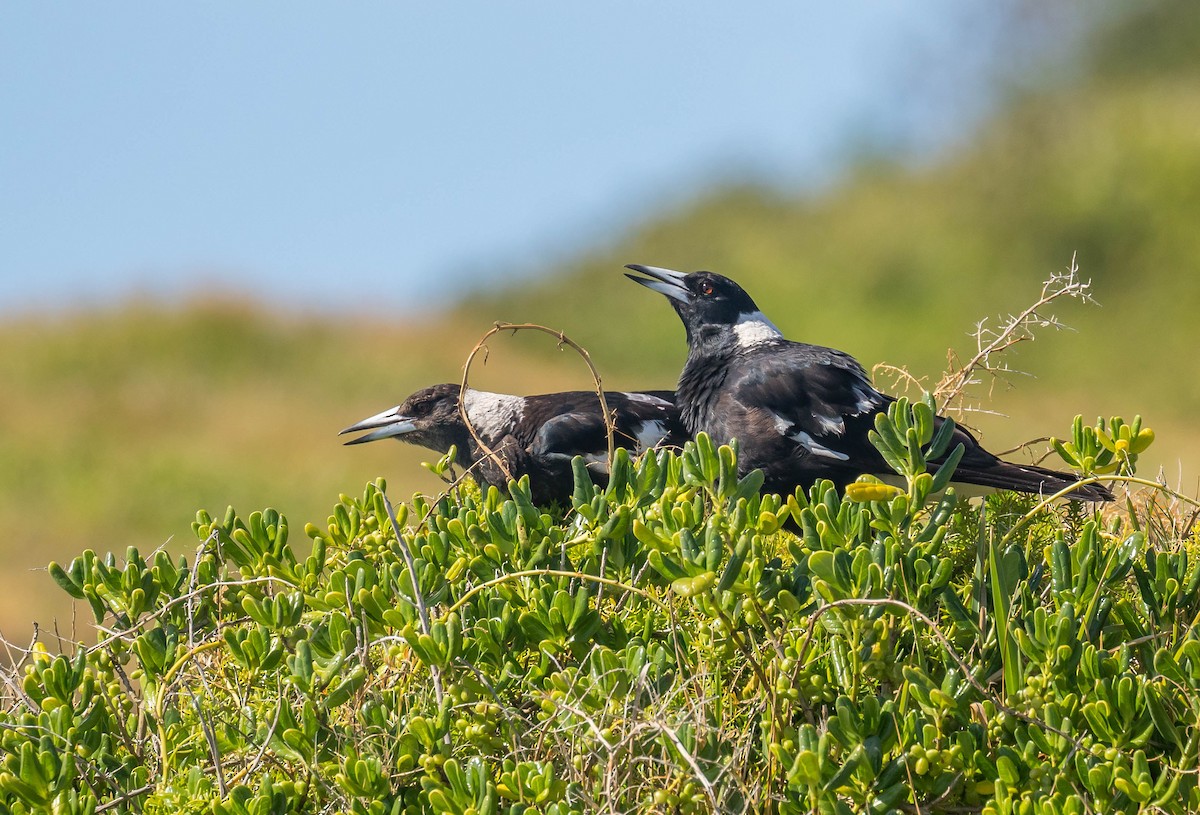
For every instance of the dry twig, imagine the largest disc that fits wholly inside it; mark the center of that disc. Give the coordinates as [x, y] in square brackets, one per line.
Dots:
[563, 339]
[1017, 328]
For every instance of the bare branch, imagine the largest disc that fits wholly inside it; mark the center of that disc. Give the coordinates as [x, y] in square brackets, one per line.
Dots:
[991, 343]
[563, 339]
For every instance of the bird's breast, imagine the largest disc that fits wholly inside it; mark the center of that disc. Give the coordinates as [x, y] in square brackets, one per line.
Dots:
[700, 389]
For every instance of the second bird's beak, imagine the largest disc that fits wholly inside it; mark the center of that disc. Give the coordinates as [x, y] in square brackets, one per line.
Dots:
[663, 281]
[389, 423]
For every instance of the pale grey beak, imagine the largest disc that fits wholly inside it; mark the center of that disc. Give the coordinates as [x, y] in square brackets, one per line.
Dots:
[665, 281]
[390, 423]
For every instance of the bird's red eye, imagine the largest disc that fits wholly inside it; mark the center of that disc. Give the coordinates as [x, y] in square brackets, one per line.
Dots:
[706, 289]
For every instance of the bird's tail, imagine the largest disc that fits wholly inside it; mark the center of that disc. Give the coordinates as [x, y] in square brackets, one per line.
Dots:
[1032, 479]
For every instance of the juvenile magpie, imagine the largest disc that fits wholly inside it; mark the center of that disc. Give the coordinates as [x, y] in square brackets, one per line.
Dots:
[799, 412]
[533, 435]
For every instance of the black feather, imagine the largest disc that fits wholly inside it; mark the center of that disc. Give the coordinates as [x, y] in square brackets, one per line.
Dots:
[536, 435]
[799, 412]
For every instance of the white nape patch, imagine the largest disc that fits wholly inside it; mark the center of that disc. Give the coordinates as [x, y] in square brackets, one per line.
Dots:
[753, 328]
[492, 414]
[649, 435]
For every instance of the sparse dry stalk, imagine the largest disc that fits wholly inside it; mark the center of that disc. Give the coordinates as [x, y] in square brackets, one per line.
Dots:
[988, 363]
[991, 343]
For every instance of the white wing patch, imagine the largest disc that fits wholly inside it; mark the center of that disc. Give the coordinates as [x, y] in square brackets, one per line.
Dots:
[753, 328]
[816, 449]
[647, 399]
[867, 400]
[650, 434]
[492, 414]
[831, 424]
[806, 441]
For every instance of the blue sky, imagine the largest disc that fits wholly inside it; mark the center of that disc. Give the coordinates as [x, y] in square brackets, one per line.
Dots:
[389, 155]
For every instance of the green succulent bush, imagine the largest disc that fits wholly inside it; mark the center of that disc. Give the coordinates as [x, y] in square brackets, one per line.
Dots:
[674, 642]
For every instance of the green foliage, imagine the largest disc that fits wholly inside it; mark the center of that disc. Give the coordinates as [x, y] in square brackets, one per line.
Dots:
[226, 401]
[1106, 448]
[674, 642]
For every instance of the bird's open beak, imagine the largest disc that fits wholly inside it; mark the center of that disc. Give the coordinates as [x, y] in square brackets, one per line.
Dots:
[389, 423]
[664, 281]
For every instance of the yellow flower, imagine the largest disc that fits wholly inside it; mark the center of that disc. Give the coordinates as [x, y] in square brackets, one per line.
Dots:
[863, 491]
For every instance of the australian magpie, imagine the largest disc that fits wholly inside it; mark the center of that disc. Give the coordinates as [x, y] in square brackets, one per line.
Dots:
[799, 412]
[533, 435]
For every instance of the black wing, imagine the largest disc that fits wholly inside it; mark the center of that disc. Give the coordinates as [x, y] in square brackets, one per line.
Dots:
[822, 402]
[804, 409]
[572, 424]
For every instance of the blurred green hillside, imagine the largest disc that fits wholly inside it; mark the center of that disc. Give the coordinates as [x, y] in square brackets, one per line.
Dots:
[119, 424]
[898, 263]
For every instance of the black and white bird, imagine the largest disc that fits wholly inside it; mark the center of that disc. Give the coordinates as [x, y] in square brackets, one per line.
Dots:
[536, 436]
[799, 412]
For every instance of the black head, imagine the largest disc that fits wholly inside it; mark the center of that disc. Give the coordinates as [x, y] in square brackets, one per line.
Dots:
[428, 418]
[702, 299]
